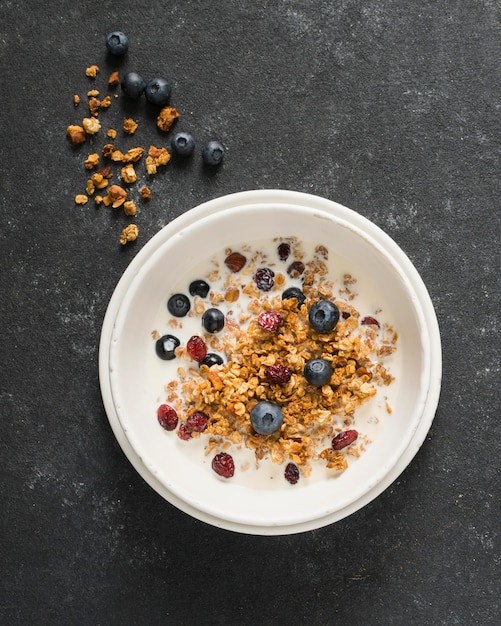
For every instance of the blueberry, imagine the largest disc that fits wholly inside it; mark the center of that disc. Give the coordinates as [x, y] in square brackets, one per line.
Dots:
[212, 359]
[318, 372]
[213, 153]
[165, 347]
[183, 144]
[117, 43]
[266, 418]
[178, 305]
[323, 316]
[158, 91]
[199, 288]
[213, 320]
[294, 292]
[133, 85]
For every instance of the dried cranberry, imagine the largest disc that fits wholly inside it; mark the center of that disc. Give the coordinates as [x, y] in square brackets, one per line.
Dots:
[295, 269]
[197, 422]
[264, 278]
[197, 348]
[270, 321]
[291, 473]
[370, 321]
[345, 314]
[183, 432]
[344, 439]
[278, 373]
[223, 465]
[167, 417]
[284, 251]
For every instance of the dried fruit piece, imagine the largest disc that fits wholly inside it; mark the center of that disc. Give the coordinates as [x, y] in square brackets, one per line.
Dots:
[197, 348]
[344, 439]
[284, 250]
[167, 417]
[291, 473]
[278, 373]
[295, 269]
[184, 433]
[235, 262]
[223, 465]
[270, 321]
[370, 321]
[264, 278]
[197, 422]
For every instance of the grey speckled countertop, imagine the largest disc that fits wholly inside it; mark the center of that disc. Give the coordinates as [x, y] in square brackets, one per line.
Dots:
[390, 108]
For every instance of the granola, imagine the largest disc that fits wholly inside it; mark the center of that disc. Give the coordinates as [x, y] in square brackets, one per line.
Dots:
[228, 392]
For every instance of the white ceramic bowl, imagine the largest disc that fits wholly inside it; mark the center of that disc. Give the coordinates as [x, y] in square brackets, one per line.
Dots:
[132, 377]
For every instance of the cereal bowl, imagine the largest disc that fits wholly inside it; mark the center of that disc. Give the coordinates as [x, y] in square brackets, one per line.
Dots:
[349, 261]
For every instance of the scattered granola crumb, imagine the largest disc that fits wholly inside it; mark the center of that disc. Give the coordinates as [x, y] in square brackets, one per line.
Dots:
[90, 188]
[92, 71]
[93, 93]
[145, 193]
[81, 198]
[99, 180]
[131, 156]
[98, 200]
[107, 149]
[129, 173]
[76, 134]
[130, 208]
[112, 133]
[129, 126]
[94, 105]
[91, 161]
[105, 171]
[106, 102]
[129, 233]
[113, 79]
[76, 100]
[116, 196]
[156, 157]
[91, 125]
[166, 118]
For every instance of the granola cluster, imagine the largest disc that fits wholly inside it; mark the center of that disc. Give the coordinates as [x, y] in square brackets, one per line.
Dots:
[227, 393]
[102, 161]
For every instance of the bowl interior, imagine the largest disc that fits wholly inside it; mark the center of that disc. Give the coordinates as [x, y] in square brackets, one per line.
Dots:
[137, 377]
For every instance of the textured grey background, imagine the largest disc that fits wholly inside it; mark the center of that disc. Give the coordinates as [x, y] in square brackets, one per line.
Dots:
[389, 107]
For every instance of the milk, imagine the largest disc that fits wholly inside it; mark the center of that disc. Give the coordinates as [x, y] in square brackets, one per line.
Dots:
[370, 418]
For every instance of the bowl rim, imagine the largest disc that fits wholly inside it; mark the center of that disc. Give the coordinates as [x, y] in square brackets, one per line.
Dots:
[287, 198]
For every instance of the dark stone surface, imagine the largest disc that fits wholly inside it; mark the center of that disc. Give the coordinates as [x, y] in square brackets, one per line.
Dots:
[391, 108]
